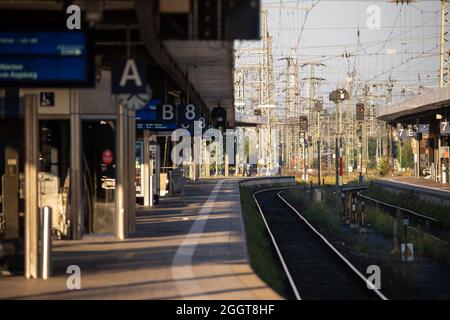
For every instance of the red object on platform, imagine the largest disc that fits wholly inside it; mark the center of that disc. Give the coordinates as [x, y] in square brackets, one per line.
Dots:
[107, 157]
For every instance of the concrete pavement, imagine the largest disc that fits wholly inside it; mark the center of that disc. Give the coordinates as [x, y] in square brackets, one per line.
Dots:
[187, 247]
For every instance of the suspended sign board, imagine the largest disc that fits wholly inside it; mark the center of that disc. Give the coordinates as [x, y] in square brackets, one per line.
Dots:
[405, 133]
[156, 117]
[129, 83]
[445, 127]
[128, 76]
[46, 59]
[165, 117]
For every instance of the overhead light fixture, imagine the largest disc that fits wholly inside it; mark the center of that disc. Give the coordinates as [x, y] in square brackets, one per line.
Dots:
[439, 116]
[94, 12]
[175, 6]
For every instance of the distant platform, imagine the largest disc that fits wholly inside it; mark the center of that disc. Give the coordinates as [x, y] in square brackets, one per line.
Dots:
[187, 247]
[427, 188]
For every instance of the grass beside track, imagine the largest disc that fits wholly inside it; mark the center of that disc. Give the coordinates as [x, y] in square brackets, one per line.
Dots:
[424, 244]
[263, 257]
[410, 201]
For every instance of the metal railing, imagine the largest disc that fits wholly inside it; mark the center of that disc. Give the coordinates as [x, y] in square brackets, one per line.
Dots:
[427, 224]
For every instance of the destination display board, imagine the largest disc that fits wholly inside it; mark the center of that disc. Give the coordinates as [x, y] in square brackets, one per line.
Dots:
[46, 59]
[156, 116]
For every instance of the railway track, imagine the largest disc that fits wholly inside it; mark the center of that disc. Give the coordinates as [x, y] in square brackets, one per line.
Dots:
[314, 267]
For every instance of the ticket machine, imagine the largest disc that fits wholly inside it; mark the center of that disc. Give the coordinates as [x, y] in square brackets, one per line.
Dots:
[154, 171]
[148, 168]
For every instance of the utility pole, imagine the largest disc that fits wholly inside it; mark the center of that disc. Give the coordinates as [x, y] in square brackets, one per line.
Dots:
[313, 81]
[445, 44]
[360, 119]
[338, 96]
[266, 89]
[389, 137]
[239, 90]
[318, 108]
[365, 128]
[291, 111]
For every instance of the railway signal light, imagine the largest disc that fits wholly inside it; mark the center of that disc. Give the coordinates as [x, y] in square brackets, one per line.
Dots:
[360, 111]
[339, 95]
[359, 133]
[318, 105]
[303, 123]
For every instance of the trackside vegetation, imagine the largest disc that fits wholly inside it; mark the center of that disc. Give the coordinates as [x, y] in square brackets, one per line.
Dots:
[263, 257]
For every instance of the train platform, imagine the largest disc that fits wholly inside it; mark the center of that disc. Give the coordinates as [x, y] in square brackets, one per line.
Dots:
[426, 189]
[421, 183]
[187, 247]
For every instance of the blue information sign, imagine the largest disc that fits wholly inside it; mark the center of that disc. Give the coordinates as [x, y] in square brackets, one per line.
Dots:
[155, 116]
[164, 117]
[46, 58]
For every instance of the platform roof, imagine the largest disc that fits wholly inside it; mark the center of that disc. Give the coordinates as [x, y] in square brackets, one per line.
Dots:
[423, 105]
[209, 68]
[209, 81]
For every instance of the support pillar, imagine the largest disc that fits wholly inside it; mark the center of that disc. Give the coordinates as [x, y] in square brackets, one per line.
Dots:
[31, 187]
[318, 162]
[132, 171]
[207, 159]
[416, 149]
[146, 160]
[121, 171]
[226, 165]
[76, 177]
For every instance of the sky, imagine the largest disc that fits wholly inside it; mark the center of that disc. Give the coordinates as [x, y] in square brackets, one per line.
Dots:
[404, 47]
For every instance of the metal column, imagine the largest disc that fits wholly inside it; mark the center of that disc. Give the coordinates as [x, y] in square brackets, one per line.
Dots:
[226, 173]
[31, 187]
[132, 171]
[145, 161]
[121, 171]
[76, 178]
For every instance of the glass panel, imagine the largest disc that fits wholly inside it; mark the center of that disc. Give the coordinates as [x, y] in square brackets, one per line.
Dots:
[99, 176]
[54, 172]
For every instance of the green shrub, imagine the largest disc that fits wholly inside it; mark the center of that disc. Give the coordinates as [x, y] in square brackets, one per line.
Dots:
[383, 166]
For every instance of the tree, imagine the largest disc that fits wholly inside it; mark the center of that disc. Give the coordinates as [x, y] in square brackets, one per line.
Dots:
[372, 149]
[406, 154]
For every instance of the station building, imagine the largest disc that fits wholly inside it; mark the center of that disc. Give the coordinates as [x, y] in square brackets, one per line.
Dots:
[75, 147]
